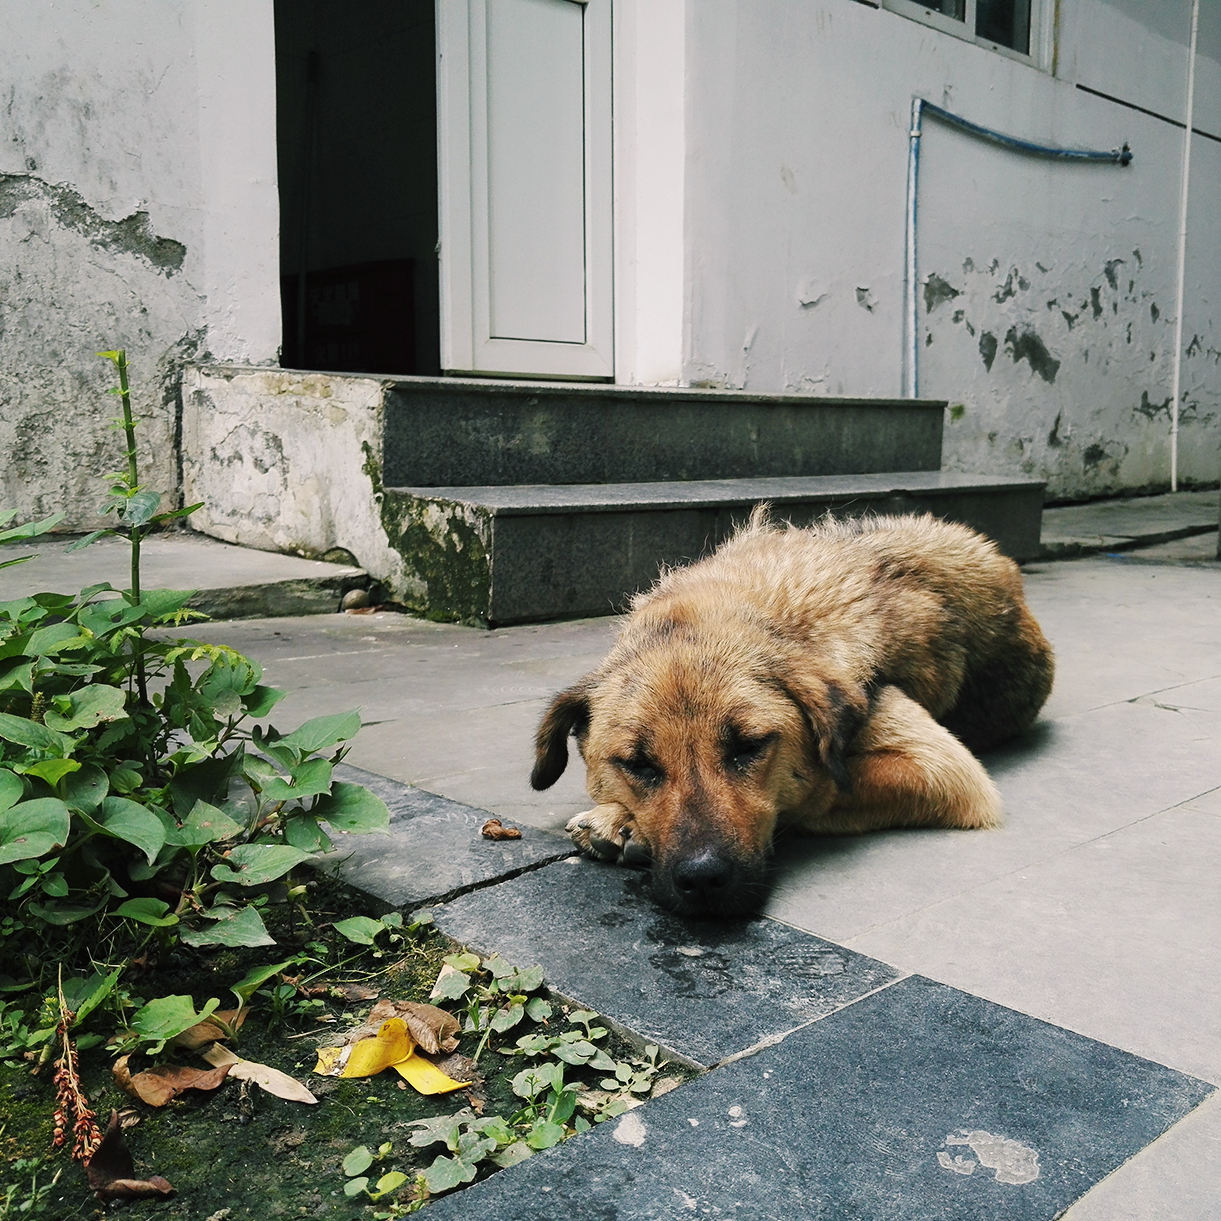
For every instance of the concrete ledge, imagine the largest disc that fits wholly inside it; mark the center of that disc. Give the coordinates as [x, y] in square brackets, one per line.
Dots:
[520, 554]
[1126, 524]
[447, 431]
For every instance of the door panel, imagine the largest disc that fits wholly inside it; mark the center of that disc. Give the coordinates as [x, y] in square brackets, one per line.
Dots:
[525, 149]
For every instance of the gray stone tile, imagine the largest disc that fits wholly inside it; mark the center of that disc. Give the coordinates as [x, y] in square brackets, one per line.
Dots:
[703, 989]
[918, 1101]
[1176, 1178]
[1068, 783]
[1119, 939]
[1121, 631]
[1206, 803]
[434, 848]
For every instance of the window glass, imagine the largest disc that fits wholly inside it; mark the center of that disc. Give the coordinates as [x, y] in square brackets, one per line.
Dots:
[1006, 22]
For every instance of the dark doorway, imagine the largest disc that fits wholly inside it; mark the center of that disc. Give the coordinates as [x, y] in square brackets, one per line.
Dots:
[357, 136]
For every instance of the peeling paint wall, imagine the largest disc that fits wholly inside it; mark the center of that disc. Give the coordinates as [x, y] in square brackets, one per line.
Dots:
[1047, 290]
[138, 210]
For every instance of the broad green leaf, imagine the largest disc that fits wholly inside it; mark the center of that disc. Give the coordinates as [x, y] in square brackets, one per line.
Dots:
[389, 1182]
[11, 789]
[544, 1134]
[357, 1161]
[161, 603]
[89, 998]
[244, 928]
[139, 508]
[81, 543]
[353, 1187]
[506, 1019]
[536, 1079]
[85, 789]
[205, 824]
[62, 914]
[254, 979]
[352, 808]
[33, 828]
[308, 779]
[25, 732]
[18, 676]
[444, 1128]
[303, 831]
[254, 864]
[518, 1151]
[537, 1009]
[360, 929]
[30, 529]
[447, 1172]
[262, 700]
[51, 770]
[323, 731]
[167, 1016]
[90, 706]
[127, 820]
[147, 911]
[47, 641]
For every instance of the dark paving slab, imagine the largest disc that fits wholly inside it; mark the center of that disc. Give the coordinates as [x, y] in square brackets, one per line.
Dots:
[919, 1101]
[703, 989]
[434, 849]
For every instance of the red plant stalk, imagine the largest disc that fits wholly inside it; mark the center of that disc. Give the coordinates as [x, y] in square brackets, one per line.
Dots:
[71, 1105]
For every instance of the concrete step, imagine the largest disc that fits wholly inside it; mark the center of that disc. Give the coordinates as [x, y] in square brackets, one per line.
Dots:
[523, 553]
[454, 431]
[1122, 525]
[232, 582]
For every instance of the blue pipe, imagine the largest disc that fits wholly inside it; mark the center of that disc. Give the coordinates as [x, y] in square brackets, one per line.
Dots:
[1115, 156]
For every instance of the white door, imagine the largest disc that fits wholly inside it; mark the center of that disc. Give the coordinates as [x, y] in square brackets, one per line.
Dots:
[524, 122]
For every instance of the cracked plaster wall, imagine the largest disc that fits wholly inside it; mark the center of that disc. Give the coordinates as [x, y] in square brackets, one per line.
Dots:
[1047, 289]
[137, 210]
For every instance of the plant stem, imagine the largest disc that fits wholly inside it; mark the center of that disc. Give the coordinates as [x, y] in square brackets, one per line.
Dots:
[135, 533]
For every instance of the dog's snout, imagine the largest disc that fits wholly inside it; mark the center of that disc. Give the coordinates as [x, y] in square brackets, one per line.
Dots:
[703, 875]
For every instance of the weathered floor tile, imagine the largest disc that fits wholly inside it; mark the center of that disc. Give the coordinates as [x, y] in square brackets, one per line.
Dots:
[919, 1101]
[705, 989]
[434, 848]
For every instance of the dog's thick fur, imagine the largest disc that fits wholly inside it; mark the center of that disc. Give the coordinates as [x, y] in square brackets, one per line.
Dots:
[828, 679]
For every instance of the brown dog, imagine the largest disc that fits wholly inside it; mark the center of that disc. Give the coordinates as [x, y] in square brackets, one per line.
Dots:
[828, 679]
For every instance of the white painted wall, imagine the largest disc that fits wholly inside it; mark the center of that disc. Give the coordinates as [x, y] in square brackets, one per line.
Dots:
[138, 209]
[797, 118]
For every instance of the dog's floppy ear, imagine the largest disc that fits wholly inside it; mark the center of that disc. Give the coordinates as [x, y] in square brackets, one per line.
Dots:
[569, 713]
[835, 711]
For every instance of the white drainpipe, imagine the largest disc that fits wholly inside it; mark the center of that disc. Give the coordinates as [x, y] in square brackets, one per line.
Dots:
[1177, 379]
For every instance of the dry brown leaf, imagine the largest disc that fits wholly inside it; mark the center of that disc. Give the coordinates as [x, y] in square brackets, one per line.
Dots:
[263, 1075]
[110, 1170]
[122, 1075]
[433, 1029]
[494, 829]
[207, 1031]
[163, 1084]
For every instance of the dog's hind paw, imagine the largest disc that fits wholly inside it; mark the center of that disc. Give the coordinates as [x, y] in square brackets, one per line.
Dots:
[605, 834]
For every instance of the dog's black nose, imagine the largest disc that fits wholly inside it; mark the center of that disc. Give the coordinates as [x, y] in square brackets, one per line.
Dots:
[702, 875]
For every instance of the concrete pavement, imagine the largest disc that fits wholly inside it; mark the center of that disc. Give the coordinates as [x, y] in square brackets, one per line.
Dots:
[1087, 930]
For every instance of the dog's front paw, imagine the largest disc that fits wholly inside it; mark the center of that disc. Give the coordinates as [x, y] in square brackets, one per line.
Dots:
[605, 833]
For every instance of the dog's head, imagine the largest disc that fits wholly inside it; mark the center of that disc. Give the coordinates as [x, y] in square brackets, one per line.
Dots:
[705, 739]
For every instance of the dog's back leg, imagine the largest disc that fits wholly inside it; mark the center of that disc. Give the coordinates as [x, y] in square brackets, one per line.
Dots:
[1001, 694]
[908, 771]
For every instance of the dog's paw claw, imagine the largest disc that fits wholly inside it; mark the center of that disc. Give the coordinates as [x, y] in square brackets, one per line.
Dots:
[602, 835]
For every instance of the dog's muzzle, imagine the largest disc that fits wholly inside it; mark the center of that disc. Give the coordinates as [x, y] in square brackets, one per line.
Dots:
[709, 883]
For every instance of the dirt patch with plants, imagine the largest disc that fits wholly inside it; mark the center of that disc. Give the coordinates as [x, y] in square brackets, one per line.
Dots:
[194, 1022]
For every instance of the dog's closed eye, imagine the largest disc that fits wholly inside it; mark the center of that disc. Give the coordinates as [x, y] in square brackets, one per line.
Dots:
[742, 752]
[641, 769]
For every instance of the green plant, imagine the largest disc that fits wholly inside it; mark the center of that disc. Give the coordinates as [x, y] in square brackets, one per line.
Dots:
[20, 1199]
[140, 800]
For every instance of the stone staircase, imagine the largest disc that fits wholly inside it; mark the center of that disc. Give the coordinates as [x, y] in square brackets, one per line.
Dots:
[504, 502]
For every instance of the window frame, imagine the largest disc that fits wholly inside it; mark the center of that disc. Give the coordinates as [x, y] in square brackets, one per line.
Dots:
[1041, 16]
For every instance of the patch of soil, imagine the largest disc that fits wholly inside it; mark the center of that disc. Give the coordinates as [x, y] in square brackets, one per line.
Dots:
[239, 1152]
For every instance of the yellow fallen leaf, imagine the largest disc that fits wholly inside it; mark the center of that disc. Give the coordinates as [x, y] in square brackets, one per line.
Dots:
[391, 1047]
[425, 1077]
[263, 1075]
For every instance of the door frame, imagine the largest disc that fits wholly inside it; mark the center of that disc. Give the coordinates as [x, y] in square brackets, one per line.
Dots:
[467, 346]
